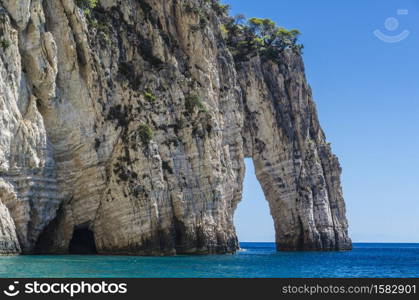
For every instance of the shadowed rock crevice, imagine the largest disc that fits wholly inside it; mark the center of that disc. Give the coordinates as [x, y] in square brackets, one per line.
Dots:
[82, 242]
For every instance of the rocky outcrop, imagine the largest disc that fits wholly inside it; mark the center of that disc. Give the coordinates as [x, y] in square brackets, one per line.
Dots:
[294, 164]
[128, 125]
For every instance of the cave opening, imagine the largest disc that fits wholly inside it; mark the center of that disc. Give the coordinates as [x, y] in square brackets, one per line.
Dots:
[252, 219]
[82, 242]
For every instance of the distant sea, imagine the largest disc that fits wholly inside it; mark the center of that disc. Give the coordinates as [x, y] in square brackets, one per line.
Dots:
[255, 260]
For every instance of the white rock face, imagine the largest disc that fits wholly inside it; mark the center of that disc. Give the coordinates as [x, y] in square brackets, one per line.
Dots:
[19, 10]
[100, 139]
[9, 243]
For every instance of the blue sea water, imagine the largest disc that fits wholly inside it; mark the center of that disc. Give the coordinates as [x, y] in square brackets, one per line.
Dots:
[255, 260]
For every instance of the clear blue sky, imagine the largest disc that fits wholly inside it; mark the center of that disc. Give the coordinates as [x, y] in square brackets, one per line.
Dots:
[367, 95]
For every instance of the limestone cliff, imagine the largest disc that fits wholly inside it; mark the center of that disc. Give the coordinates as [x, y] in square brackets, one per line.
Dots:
[123, 130]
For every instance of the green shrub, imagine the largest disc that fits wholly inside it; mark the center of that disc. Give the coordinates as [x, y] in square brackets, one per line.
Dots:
[86, 5]
[220, 9]
[102, 30]
[189, 8]
[224, 31]
[193, 102]
[4, 43]
[247, 38]
[145, 133]
[99, 25]
[149, 96]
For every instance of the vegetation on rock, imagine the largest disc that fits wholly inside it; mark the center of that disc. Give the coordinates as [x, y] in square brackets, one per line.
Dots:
[219, 8]
[145, 133]
[4, 44]
[193, 102]
[87, 5]
[247, 38]
[150, 96]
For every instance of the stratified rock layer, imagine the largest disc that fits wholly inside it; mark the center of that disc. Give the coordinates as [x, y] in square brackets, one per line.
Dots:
[80, 97]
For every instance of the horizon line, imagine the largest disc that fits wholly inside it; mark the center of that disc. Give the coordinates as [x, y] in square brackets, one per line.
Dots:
[357, 242]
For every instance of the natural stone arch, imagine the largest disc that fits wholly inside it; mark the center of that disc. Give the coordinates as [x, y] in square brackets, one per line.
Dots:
[175, 194]
[294, 165]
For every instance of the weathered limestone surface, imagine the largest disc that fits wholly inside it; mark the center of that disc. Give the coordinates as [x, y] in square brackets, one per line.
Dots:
[75, 98]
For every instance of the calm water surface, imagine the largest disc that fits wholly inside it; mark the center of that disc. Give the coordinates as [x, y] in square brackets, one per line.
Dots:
[255, 260]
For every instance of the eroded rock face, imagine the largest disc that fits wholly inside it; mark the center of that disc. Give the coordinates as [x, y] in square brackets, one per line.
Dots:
[131, 125]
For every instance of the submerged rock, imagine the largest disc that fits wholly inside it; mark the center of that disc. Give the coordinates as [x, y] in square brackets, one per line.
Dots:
[128, 124]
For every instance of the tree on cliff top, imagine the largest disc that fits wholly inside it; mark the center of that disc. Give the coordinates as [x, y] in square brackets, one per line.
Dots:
[247, 38]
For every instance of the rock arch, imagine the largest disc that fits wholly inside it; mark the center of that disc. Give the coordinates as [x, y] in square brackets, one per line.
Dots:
[176, 190]
[294, 164]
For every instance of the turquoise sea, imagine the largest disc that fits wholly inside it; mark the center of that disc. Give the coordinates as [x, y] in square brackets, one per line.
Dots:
[255, 260]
